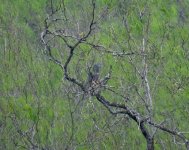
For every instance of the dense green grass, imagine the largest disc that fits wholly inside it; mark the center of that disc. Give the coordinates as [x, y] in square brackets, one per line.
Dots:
[37, 105]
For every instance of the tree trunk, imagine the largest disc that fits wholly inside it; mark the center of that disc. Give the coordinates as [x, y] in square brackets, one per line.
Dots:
[150, 144]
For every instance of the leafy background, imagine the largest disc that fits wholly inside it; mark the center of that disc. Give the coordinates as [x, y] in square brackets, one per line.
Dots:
[36, 103]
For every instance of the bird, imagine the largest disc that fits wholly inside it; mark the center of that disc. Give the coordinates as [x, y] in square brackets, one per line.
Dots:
[93, 78]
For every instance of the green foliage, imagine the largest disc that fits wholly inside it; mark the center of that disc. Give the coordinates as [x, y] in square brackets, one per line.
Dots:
[38, 105]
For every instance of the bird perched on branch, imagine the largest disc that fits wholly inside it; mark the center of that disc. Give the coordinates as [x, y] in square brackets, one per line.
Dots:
[95, 84]
[93, 77]
[96, 72]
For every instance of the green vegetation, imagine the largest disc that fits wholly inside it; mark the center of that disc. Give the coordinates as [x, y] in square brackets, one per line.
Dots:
[146, 44]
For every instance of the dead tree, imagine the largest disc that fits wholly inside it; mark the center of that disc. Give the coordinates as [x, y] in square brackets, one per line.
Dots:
[95, 84]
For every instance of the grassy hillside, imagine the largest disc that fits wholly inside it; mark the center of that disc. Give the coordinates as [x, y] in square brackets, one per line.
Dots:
[144, 42]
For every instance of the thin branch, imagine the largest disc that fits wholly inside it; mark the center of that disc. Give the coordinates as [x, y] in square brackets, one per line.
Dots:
[139, 119]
